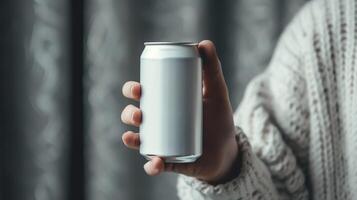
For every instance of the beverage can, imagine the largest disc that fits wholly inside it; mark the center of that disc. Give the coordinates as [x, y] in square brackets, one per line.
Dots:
[171, 101]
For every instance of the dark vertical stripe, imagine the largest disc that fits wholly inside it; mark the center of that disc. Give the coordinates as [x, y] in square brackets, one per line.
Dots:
[76, 179]
[219, 15]
[281, 7]
[13, 32]
[7, 78]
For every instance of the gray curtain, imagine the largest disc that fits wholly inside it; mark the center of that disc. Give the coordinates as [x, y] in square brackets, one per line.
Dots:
[35, 103]
[63, 64]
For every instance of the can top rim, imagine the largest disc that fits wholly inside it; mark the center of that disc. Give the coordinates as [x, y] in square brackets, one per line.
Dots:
[172, 43]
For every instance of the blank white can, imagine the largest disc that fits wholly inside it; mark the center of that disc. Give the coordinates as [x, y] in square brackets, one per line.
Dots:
[171, 101]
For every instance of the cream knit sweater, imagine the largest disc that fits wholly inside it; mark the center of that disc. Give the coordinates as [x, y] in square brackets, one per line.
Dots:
[298, 120]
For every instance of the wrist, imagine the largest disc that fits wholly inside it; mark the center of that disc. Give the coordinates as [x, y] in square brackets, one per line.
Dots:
[230, 166]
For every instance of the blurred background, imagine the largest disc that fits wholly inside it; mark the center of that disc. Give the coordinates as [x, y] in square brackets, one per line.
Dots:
[62, 65]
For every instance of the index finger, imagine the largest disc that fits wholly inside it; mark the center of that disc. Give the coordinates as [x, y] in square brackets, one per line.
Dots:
[213, 79]
[132, 90]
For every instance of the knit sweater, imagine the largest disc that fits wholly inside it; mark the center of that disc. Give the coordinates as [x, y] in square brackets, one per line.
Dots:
[297, 122]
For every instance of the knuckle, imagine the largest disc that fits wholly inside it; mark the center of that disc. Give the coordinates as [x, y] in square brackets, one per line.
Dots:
[127, 113]
[123, 137]
[129, 109]
[126, 88]
[122, 116]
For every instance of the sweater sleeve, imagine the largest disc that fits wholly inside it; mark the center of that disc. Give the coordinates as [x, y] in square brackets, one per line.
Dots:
[273, 121]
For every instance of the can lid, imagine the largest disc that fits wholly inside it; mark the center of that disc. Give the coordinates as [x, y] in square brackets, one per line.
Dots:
[172, 43]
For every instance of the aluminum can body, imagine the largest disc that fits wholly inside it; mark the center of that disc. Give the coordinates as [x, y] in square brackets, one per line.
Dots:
[171, 101]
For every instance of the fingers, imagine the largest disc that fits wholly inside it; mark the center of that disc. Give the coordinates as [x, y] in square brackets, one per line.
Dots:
[132, 90]
[175, 167]
[154, 166]
[189, 169]
[131, 115]
[131, 140]
[213, 79]
[157, 165]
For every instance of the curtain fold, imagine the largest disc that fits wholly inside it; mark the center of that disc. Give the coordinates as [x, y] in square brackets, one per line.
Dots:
[47, 127]
[35, 129]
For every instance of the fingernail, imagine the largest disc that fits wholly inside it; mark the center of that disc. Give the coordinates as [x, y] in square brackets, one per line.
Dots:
[126, 91]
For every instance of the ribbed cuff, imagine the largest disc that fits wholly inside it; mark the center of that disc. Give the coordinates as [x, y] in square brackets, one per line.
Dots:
[248, 184]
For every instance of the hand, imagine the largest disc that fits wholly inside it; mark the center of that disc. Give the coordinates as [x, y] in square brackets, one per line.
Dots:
[218, 162]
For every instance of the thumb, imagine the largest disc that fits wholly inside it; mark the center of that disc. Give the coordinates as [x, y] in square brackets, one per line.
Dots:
[214, 85]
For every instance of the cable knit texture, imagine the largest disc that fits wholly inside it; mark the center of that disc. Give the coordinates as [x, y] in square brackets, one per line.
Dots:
[298, 120]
